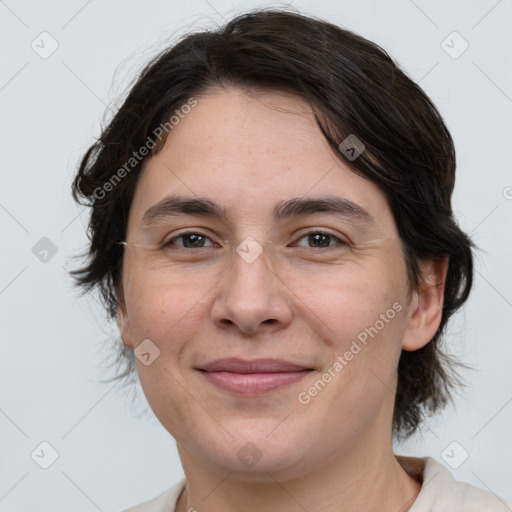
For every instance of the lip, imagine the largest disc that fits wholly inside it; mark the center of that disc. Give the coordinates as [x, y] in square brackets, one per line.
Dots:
[252, 377]
[237, 365]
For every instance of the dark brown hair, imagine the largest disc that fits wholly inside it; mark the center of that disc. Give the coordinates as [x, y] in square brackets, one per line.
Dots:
[355, 88]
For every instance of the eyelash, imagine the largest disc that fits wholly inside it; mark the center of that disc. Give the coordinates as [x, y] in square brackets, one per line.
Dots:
[170, 242]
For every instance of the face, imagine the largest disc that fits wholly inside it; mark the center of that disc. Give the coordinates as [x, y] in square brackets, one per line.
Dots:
[273, 273]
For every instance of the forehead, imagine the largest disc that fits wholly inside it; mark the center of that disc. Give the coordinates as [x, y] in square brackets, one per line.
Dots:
[256, 130]
[249, 151]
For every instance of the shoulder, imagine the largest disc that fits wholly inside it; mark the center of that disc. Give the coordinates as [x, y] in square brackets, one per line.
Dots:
[440, 491]
[164, 502]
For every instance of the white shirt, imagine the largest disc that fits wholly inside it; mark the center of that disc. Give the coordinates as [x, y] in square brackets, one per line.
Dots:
[440, 492]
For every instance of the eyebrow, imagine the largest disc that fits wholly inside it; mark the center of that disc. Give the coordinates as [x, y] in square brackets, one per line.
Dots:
[176, 205]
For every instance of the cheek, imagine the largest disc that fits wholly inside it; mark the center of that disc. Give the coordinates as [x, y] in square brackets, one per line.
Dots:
[166, 311]
[353, 299]
[361, 317]
[159, 306]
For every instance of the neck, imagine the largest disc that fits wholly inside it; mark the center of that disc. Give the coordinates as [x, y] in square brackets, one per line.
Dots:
[363, 478]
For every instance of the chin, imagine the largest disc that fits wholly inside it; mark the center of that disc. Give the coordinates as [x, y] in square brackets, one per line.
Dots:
[252, 461]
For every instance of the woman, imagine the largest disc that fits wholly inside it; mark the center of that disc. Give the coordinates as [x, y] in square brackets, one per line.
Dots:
[272, 229]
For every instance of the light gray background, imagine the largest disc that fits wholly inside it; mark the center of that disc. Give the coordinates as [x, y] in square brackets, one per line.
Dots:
[54, 345]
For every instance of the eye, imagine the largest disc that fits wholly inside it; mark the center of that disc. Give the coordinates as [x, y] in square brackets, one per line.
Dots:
[320, 239]
[190, 240]
[195, 240]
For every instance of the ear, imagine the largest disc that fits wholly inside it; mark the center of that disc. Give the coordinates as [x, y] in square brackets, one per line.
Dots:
[426, 306]
[122, 321]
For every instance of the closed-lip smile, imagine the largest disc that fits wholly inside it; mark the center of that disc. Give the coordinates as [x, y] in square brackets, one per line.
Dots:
[252, 377]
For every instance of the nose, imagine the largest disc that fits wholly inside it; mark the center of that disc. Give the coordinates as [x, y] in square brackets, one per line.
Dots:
[251, 297]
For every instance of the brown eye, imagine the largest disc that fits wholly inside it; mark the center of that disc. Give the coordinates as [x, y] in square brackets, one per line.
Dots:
[319, 239]
[190, 240]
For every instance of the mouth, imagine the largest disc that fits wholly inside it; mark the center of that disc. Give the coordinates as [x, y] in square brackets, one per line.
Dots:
[246, 377]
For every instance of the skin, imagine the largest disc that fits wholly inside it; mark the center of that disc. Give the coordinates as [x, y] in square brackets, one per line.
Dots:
[248, 151]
